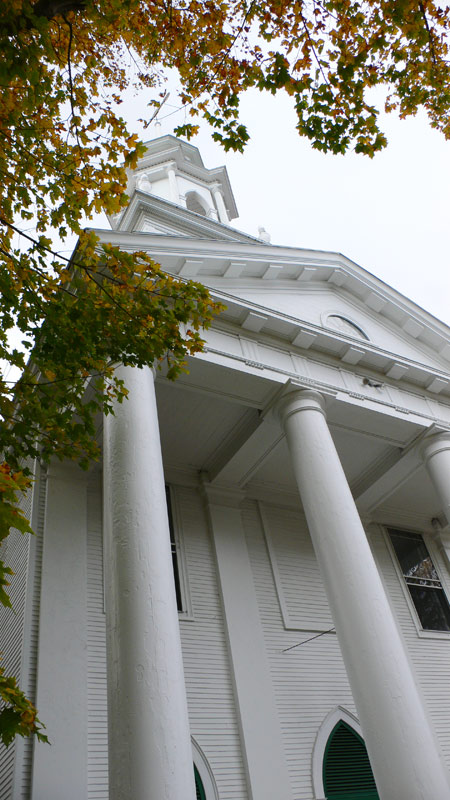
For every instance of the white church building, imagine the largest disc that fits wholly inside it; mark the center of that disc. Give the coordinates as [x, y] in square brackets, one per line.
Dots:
[255, 581]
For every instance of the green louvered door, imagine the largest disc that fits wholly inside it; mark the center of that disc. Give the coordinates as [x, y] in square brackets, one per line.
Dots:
[199, 790]
[347, 774]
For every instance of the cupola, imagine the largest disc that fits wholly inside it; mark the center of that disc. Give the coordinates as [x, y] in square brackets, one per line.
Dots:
[173, 170]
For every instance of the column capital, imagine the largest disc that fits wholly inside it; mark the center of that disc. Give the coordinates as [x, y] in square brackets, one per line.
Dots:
[435, 452]
[299, 400]
[433, 444]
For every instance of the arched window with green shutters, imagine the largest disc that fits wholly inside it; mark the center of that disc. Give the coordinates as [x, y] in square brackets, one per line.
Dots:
[347, 774]
[199, 790]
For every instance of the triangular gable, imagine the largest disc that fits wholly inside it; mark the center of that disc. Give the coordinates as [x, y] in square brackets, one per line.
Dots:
[331, 307]
[294, 294]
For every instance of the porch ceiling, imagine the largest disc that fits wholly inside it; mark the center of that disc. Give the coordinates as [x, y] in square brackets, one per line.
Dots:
[211, 423]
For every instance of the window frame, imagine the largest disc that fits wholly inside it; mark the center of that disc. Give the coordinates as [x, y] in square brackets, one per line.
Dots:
[350, 766]
[203, 768]
[337, 714]
[176, 530]
[362, 337]
[199, 788]
[426, 633]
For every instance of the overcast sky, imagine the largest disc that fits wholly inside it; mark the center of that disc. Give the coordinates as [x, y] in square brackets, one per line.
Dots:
[390, 214]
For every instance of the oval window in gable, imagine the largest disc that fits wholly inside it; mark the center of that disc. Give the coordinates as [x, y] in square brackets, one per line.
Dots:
[345, 325]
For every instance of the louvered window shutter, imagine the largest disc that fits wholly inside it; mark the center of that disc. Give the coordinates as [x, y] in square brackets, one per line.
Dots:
[347, 774]
[199, 790]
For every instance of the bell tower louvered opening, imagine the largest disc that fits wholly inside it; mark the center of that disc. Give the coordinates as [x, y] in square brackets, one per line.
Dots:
[347, 774]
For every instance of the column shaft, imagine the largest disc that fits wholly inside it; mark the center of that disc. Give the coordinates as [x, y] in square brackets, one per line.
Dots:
[218, 197]
[403, 752]
[436, 454]
[149, 744]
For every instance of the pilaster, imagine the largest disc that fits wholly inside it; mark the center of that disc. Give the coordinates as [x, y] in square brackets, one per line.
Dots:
[262, 747]
[60, 771]
[173, 185]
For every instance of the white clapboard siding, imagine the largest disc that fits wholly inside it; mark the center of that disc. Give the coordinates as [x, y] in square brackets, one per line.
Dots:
[15, 553]
[97, 745]
[209, 686]
[24, 773]
[429, 655]
[212, 713]
[309, 681]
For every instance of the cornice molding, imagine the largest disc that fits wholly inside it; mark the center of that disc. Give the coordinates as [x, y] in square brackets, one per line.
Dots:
[174, 219]
[424, 375]
[227, 245]
[210, 260]
[325, 387]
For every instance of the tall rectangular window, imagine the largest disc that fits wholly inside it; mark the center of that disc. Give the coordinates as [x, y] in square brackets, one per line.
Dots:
[174, 549]
[422, 580]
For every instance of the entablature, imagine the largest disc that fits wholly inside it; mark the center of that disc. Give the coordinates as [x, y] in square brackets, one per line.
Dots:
[287, 347]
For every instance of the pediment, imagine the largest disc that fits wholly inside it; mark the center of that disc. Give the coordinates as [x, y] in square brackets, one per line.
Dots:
[335, 310]
[312, 301]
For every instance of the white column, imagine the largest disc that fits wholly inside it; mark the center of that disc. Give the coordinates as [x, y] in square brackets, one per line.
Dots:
[404, 754]
[173, 186]
[261, 740]
[436, 454]
[150, 753]
[218, 197]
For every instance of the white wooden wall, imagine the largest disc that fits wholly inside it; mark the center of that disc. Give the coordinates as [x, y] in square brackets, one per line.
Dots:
[14, 552]
[97, 734]
[308, 681]
[210, 694]
[209, 688]
[19, 628]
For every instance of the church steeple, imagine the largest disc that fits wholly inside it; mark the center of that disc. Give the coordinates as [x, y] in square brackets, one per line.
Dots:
[172, 193]
[173, 170]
